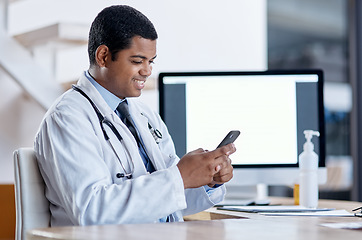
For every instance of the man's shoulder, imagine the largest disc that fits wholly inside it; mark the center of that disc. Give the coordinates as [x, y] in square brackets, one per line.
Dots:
[69, 102]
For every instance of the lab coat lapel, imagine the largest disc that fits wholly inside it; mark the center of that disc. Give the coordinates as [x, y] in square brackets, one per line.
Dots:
[141, 122]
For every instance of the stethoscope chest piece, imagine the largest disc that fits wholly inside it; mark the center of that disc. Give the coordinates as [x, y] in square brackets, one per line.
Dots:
[122, 175]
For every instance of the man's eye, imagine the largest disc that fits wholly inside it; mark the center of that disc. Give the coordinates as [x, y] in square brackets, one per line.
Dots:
[137, 62]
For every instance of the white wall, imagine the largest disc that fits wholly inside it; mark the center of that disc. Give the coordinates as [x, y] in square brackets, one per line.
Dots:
[19, 119]
[193, 35]
[202, 35]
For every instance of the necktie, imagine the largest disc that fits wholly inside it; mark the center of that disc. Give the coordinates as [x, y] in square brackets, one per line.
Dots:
[127, 120]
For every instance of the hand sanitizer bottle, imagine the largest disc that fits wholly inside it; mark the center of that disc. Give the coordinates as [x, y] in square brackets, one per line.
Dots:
[308, 168]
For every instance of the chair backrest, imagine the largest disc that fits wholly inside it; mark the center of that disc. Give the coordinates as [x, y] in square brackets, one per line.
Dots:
[32, 207]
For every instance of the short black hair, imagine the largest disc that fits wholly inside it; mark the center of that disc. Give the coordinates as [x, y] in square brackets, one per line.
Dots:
[115, 26]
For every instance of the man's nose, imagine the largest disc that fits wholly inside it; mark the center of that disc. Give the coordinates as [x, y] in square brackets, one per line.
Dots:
[146, 70]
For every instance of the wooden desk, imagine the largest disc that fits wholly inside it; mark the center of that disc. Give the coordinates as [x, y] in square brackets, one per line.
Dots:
[255, 226]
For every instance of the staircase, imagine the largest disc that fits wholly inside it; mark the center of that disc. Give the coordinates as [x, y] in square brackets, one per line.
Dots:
[18, 56]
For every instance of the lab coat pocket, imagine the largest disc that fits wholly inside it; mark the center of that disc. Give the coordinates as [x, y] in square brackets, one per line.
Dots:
[169, 159]
[167, 150]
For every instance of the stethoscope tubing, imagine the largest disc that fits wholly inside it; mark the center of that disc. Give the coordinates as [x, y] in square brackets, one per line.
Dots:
[103, 120]
[157, 135]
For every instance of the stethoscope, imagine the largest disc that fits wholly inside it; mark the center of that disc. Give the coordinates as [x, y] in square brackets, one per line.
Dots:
[102, 120]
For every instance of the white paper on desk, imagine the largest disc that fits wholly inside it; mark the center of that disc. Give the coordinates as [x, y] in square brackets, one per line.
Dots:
[344, 225]
[332, 213]
[273, 209]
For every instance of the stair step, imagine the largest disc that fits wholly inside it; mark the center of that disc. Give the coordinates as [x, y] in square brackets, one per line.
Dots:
[68, 33]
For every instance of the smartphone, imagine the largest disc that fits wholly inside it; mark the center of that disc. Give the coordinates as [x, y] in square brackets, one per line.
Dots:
[230, 137]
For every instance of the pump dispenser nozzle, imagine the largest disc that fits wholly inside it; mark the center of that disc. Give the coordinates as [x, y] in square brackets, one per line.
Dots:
[308, 145]
[309, 134]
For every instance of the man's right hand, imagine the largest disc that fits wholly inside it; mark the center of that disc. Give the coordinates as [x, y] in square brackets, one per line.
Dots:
[198, 167]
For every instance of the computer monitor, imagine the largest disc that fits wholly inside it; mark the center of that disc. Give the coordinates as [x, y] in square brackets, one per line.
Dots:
[270, 108]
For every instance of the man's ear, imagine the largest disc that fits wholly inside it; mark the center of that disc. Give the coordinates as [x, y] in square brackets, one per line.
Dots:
[102, 55]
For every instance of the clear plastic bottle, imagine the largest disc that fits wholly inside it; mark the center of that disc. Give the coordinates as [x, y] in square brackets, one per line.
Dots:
[308, 169]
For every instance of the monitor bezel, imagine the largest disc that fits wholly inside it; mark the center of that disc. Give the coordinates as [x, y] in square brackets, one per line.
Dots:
[319, 72]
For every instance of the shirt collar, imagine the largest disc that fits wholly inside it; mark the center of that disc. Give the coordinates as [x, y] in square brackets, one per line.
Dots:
[111, 99]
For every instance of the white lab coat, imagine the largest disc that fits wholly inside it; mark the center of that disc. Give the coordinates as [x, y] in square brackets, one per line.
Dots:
[80, 168]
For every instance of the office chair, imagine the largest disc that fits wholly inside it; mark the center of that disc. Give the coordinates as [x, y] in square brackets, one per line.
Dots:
[32, 207]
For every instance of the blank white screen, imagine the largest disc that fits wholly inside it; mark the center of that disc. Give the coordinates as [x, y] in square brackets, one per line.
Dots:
[263, 110]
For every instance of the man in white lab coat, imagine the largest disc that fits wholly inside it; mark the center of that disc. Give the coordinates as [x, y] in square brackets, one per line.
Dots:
[103, 167]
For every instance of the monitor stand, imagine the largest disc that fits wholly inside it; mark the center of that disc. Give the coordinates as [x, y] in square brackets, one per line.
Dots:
[262, 194]
[246, 195]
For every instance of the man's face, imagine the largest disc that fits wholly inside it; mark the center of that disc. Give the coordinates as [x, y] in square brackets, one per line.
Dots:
[126, 76]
